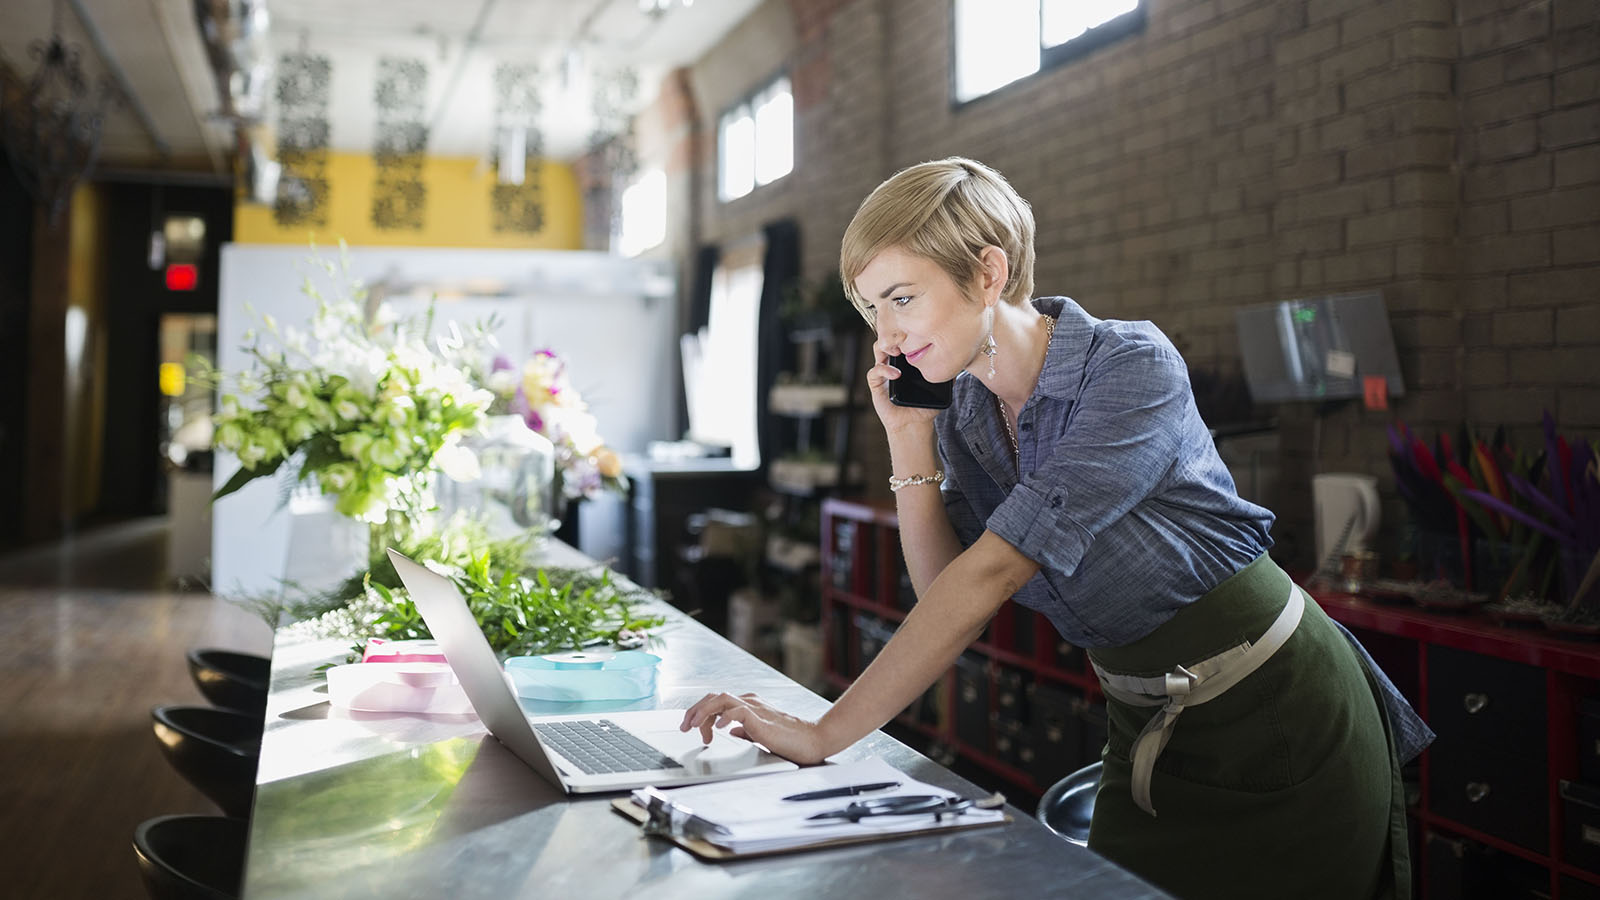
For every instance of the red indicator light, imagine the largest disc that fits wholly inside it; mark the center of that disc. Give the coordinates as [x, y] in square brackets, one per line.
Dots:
[182, 277]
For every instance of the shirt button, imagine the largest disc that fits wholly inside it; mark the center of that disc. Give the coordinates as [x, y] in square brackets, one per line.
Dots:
[1025, 426]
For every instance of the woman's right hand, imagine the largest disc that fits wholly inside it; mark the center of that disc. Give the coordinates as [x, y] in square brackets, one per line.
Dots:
[895, 419]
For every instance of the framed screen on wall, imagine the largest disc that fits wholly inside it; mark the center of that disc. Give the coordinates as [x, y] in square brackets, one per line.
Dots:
[1319, 348]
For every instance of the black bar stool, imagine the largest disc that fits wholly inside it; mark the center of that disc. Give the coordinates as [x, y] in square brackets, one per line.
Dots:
[1069, 804]
[216, 750]
[190, 857]
[230, 679]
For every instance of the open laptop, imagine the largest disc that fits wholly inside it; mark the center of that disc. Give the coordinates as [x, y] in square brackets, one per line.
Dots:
[580, 753]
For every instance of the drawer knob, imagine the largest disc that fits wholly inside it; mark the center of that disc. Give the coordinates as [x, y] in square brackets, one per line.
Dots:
[1474, 703]
[1476, 791]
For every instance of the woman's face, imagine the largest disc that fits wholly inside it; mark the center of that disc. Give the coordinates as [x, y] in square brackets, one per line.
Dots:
[922, 313]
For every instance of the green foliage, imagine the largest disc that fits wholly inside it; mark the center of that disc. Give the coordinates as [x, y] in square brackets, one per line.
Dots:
[522, 609]
[525, 614]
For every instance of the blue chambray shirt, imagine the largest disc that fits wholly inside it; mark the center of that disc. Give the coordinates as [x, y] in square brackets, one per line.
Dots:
[1124, 495]
[1124, 502]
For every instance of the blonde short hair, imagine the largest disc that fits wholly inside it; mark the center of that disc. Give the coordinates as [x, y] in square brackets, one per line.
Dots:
[947, 211]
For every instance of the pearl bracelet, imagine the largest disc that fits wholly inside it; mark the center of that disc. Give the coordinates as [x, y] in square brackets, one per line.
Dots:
[896, 484]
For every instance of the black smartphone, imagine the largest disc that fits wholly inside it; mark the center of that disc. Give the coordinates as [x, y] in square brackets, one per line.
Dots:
[911, 389]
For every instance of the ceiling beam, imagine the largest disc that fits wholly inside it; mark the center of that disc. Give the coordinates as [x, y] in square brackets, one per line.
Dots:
[186, 51]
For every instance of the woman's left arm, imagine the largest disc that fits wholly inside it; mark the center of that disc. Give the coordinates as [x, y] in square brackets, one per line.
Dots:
[945, 621]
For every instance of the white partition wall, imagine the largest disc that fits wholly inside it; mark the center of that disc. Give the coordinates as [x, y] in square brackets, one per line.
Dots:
[612, 319]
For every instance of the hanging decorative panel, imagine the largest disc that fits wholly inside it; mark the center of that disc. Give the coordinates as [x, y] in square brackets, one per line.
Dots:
[611, 146]
[399, 195]
[302, 140]
[517, 202]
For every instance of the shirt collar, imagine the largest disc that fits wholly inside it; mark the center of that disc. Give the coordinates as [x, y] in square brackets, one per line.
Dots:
[1064, 360]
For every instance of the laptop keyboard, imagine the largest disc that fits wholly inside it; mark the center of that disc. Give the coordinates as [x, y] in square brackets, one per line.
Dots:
[598, 746]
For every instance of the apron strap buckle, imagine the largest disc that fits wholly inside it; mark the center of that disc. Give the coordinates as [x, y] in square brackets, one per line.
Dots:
[1180, 682]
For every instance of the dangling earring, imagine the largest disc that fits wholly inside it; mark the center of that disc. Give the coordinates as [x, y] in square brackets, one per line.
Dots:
[989, 350]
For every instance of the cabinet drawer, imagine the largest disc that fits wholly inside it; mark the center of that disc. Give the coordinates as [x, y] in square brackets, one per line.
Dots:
[1580, 817]
[1479, 701]
[1011, 693]
[1499, 794]
[1057, 732]
[972, 701]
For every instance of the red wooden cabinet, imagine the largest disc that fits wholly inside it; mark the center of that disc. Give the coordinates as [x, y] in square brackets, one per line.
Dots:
[1506, 702]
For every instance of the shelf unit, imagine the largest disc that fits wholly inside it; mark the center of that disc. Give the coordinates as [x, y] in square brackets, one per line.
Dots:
[810, 420]
[1020, 704]
[1506, 703]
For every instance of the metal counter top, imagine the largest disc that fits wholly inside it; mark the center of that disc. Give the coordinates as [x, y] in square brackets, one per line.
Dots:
[402, 805]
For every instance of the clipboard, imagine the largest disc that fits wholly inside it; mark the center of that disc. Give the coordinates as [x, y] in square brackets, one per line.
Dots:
[687, 815]
[710, 852]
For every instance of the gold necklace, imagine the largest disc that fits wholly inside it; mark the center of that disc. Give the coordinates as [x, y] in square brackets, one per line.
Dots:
[999, 405]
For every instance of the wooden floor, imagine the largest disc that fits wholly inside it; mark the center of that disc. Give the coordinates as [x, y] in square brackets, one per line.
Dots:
[91, 638]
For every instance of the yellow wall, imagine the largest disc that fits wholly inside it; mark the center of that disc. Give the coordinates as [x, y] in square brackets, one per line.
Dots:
[458, 211]
[86, 290]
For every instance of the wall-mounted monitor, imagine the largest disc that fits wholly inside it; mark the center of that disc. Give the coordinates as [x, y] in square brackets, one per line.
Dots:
[1320, 348]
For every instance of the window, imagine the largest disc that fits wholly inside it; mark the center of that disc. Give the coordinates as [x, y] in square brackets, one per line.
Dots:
[1000, 41]
[719, 362]
[644, 214]
[756, 141]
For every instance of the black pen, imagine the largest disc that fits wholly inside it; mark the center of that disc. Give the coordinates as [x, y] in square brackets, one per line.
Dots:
[849, 790]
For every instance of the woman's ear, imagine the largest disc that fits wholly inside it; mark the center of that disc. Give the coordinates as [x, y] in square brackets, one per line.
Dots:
[995, 272]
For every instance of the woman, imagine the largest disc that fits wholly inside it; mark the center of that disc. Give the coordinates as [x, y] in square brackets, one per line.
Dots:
[1254, 748]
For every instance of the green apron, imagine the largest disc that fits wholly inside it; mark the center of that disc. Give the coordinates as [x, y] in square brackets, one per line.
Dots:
[1285, 785]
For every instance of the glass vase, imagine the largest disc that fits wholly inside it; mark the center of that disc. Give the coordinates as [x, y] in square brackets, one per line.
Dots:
[396, 530]
[514, 491]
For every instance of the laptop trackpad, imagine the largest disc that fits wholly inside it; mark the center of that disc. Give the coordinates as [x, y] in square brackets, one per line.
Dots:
[724, 754]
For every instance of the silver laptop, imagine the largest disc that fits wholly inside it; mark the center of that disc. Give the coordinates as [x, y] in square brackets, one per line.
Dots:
[583, 753]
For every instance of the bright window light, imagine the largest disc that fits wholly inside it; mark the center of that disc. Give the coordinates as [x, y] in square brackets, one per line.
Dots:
[756, 141]
[720, 365]
[1000, 41]
[644, 214]
[1063, 20]
[738, 153]
[997, 42]
[775, 133]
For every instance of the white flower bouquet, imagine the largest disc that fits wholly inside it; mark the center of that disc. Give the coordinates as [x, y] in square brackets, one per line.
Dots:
[367, 408]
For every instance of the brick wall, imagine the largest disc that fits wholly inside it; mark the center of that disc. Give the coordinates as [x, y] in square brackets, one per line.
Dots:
[1237, 152]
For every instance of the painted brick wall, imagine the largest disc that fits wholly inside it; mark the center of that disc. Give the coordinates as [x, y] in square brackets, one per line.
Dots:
[1238, 152]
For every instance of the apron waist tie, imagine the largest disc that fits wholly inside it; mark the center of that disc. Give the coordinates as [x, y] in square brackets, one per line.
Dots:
[1191, 686]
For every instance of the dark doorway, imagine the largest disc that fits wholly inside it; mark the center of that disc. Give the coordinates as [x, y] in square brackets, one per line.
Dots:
[141, 293]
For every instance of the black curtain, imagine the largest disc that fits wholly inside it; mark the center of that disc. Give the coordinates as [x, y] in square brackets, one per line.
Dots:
[705, 266]
[780, 271]
[16, 296]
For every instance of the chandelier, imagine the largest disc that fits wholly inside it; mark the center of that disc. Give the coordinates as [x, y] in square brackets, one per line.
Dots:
[50, 122]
